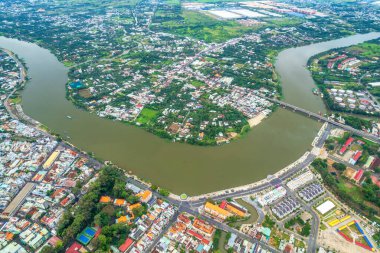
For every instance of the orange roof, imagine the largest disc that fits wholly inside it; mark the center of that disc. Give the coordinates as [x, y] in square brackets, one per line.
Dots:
[65, 201]
[234, 210]
[105, 199]
[201, 225]
[9, 236]
[120, 202]
[57, 192]
[145, 195]
[137, 205]
[217, 209]
[122, 219]
[151, 217]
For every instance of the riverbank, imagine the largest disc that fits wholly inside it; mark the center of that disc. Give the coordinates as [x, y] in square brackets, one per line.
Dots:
[256, 120]
[172, 165]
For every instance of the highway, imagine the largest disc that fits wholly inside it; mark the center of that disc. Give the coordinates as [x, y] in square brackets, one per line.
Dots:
[192, 207]
[322, 118]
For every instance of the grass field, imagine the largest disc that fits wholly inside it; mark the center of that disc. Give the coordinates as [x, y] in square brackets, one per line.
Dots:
[15, 100]
[68, 64]
[197, 83]
[201, 26]
[146, 116]
[352, 190]
[368, 49]
[285, 21]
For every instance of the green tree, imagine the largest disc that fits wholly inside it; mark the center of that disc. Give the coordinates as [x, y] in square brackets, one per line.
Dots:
[339, 166]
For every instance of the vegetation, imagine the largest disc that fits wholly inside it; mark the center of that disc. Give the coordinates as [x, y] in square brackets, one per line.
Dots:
[197, 25]
[268, 222]
[89, 212]
[164, 192]
[339, 166]
[147, 116]
[356, 122]
[362, 198]
[216, 239]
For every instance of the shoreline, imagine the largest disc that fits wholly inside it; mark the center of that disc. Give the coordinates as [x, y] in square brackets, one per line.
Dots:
[256, 120]
[253, 122]
[169, 186]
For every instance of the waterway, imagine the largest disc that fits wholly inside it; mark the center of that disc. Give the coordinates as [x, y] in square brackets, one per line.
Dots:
[270, 146]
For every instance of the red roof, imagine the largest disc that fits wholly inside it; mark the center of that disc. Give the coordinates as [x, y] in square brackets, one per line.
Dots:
[223, 204]
[349, 141]
[375, 180]
[74, 248]
[54, 240]
[343, 149]
[98, 232]
[358, 175]
[196, 235]
[357, 156]
[205, 241]
[184, 219]
[128, 242]
[346, 144]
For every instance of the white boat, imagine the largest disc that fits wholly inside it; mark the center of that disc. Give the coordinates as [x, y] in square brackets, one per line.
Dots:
[69, 117]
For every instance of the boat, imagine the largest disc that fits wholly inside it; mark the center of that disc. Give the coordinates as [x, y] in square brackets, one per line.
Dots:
[69, 117]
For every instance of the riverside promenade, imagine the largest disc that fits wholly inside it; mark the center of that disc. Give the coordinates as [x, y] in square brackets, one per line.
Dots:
[239, 191]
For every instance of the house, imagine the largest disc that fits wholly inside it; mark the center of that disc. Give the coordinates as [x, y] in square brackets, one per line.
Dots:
[122, 219]
[145, 196]
[353, 160]
[203, 228]
[358, 175]
[120, 202]
[105, 199]
[346, 145]
[126, 245]
[75, 248]
[216, 211]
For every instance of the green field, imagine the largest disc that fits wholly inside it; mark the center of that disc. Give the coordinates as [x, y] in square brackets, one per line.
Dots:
[282, 22]
[16, 100]
[367, 49]
[201, 26]
[147, 116]
[197, 83]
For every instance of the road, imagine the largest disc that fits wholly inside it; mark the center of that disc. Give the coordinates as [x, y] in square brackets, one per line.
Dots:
[312, 241]
[324, 119]
[192, 207]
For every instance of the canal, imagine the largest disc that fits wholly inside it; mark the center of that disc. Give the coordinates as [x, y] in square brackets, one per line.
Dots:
[268, 147]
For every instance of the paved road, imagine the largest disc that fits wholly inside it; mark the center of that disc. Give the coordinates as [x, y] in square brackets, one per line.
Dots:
[227, 228]
[193, 210]
[191, 207]
[163, 232]
[312, 241]
[324, 119]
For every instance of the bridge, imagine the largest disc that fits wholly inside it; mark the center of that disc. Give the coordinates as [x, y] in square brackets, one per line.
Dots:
[322, 118]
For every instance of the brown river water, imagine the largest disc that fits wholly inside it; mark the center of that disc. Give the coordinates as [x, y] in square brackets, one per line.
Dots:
[276, 142]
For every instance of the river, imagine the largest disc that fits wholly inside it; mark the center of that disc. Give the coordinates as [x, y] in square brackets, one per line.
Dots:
[268, 147]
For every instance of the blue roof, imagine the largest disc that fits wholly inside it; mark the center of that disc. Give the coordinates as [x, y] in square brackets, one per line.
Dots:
[231, 241]
[83, 239]
[90, 231]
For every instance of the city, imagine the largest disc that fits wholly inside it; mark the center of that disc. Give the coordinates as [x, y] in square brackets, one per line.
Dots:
[135, 63]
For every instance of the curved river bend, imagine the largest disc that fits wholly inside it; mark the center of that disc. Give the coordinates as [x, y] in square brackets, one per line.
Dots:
[270, 146]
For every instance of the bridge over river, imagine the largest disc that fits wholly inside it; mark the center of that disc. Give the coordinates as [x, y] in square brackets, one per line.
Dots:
[324, 119]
